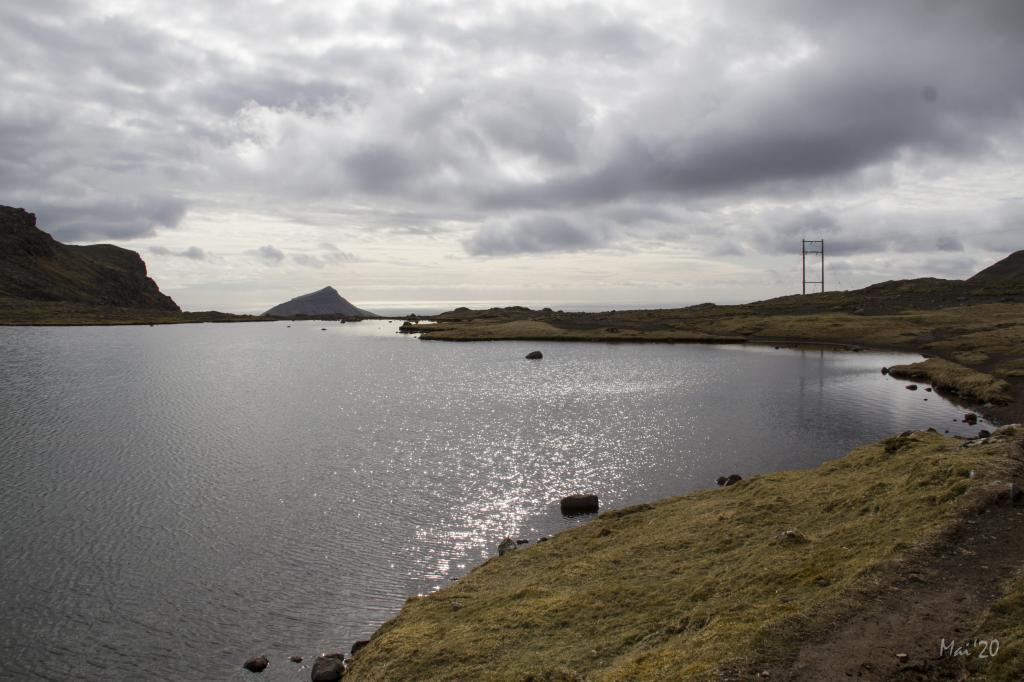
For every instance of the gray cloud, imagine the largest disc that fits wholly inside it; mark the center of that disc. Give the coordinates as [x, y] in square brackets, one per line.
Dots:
[269, 254]
[328, 254]
[539, 234]
[505, 129]
[192, 252]
[109, 219]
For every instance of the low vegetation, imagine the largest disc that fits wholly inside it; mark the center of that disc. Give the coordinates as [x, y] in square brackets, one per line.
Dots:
[1003, 623]
[964, 381]
[720, 582]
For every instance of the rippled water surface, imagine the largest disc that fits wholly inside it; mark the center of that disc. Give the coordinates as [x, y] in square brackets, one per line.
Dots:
[176, 499]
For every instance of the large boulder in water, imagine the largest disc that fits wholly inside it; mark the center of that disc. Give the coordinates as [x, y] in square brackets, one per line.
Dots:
[256, 664]
[328, 668]
[579, 504]
[534, 355]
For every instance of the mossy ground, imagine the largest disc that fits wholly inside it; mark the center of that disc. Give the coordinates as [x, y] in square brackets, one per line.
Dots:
[696, 586]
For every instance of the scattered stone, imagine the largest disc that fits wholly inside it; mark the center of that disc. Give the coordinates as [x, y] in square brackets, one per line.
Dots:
[793, 536]
[902, 658]
[522, 541]
[731, 479]
[359, 645]
[928, 389]
[456, 605]
[970, 418]
[579, 504]
[534, 355]
[984, 433]
[295, 659]
[543, 539]
[911, 387]
[506, 546]
[605, 532]
[256, 664]
[328, 668]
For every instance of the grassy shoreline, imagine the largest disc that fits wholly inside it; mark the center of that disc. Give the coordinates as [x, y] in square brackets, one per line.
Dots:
[981, 344]
[722, 583]
[557, 611]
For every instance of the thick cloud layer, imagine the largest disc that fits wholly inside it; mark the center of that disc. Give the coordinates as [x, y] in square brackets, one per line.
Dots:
[496, 129]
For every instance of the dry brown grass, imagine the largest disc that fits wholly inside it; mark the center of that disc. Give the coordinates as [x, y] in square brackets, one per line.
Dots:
[689, 586]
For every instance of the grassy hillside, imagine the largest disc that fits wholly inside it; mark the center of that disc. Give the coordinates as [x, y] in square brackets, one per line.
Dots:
[724, 582]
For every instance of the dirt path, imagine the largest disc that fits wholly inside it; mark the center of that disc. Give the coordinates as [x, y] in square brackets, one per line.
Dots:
[937, 597]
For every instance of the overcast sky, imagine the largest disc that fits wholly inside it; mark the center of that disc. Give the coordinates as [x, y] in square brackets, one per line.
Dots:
[428, 154]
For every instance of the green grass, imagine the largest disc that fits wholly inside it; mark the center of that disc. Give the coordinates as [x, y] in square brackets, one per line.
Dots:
[948, 375]
[691, 586]
[1003, 622]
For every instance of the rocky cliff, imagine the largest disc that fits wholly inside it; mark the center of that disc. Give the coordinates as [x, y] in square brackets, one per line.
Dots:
[36, 267]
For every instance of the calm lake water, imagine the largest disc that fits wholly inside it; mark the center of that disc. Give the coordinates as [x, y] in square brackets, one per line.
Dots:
[175, 499]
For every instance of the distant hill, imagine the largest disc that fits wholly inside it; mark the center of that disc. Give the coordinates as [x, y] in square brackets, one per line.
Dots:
[36, 267]
[1008, 270]
[326, 301]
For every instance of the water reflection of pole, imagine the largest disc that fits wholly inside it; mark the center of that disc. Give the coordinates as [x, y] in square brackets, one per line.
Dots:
[804, 368]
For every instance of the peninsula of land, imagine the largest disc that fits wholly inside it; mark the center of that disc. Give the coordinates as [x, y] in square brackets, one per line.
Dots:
[903, 559]
[974, 328]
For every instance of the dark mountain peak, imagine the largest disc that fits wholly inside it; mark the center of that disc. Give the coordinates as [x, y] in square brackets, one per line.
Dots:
[35, 266]
[326, 301]
[1008, 270]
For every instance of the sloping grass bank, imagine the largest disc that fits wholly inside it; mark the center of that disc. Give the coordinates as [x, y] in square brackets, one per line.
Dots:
[951, 376]
[728, 579]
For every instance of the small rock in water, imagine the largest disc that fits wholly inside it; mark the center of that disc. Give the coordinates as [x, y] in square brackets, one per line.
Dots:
[256, 664]
[295, 659]
[885, 370]
[534, 355]
[928, 389]
[731, 479]
[506, 546]
[522, 541]
[579, 504]
[911, 387]
[971, 418]
[328, 668]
